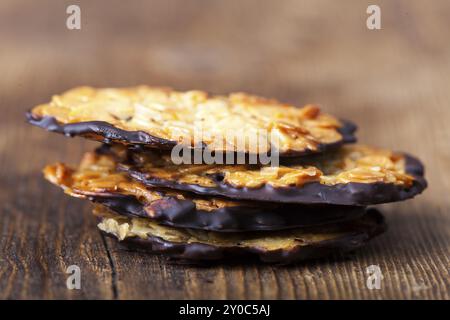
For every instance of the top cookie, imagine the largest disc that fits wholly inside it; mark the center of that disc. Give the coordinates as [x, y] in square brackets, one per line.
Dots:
[163, 118]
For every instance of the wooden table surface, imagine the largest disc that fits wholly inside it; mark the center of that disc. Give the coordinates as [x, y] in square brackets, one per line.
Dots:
[394, 82]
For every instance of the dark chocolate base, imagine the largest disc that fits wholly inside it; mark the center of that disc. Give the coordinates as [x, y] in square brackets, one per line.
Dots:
[198, 252]
[173, 212]
[107, 133]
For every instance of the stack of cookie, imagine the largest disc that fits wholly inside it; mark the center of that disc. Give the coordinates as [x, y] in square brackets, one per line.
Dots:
[202, 178]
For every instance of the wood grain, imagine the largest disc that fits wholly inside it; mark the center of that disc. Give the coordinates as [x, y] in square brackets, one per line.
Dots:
[393, 82]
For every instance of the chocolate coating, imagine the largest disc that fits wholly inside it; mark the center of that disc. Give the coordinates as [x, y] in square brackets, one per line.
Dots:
[183, 214]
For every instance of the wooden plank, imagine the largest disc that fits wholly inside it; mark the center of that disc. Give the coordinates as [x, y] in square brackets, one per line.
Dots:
[393, 83]
[42, 233]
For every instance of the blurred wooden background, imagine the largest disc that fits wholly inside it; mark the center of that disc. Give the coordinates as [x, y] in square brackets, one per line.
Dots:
[394, 82]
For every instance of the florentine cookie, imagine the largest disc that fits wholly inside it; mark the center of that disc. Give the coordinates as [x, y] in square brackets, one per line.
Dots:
[352, 175]
[283, 247]
[162, 118]
[96, 179]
